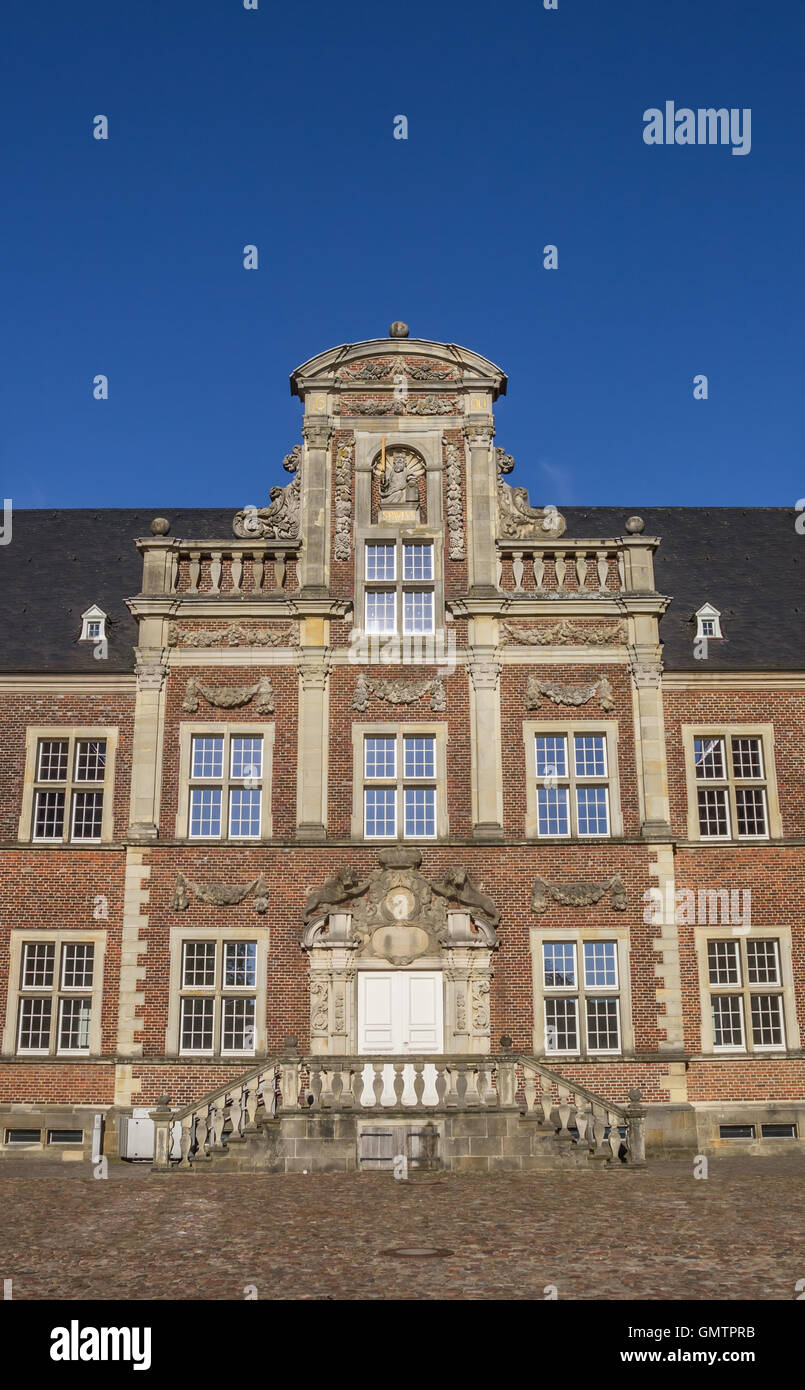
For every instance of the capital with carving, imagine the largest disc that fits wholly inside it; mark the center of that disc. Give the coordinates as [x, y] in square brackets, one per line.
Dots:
[479, 436]
[314, 669]
[484, 674]
[646, 675]
[317, 433]
[151, 668]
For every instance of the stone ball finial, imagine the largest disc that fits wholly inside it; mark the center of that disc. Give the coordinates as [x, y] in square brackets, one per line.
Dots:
[635, 524]
[398, 329]
[160, 526]
[506, 1042]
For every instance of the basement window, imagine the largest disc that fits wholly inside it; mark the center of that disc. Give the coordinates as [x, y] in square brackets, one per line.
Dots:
[23, 1136]
[736, 1131]
[65, 1136]
[778, 1131]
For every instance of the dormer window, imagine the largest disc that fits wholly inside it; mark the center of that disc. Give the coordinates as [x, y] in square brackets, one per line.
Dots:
[93, 625]
[708, 622]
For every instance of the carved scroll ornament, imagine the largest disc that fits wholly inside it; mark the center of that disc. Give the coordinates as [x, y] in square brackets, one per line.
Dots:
[398, 692]
[517, 519]
[280, 519]
[578, 894]
[232, 636]
[229, 696]
[568, 634]
[561, 694]
[343, 500]
[454, 506]
[220, 894]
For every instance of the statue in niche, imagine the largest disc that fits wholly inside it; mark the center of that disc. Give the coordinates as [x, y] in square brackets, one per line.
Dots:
[399, 486]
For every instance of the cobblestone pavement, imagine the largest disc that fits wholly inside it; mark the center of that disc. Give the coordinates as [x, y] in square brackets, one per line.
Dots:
[642, 1234]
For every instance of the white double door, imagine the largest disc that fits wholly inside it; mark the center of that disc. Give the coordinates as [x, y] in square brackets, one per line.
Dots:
[400, 1012]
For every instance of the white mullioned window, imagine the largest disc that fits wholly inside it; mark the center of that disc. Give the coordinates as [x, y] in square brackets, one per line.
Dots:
[54, 1008]
[731, 787]
[225, 786]
[572, 784]
[69, 788]
[399, 588]
[400, 792]
[218, 997]
[581, 989]
[746, 994]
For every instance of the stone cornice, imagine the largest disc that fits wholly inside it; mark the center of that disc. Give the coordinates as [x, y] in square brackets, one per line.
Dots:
[64, 683]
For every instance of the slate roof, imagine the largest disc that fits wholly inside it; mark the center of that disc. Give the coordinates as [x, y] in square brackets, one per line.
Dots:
[748, 562]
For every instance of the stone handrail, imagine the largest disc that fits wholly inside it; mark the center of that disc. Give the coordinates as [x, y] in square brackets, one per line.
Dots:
[371, 1085]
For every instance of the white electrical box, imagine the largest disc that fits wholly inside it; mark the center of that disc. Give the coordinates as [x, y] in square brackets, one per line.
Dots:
[136, 1135]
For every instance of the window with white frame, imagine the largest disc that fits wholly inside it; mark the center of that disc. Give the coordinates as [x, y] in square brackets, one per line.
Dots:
[226, 782]
[218, 997]
[400, 791]
[93, 625]
[572, 784]
[69, 787]
[746, 994]
[399, 588]
[54, 1007]
[708, 622]
[581, 996]
[731, 787]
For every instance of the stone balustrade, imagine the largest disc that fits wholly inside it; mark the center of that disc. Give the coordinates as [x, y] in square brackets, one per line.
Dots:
[428, 1085]
[247, 567]
[569, 567]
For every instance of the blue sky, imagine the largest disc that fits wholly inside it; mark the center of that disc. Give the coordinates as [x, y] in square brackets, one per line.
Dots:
[275, 127]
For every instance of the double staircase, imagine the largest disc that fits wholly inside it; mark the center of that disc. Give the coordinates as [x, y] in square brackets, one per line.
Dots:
[499, 1113]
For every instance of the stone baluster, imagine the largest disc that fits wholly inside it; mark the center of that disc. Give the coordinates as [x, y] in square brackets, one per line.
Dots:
[636, 1130]
[621, 570]
[258, 565]
[236, 1113]
[614, 1134]
[377, 1084]
[399, 1083]
[506, 1083]
[584, 1121]
[581, 569]
[219, 1112]
[547, 1104]
[279, 569]
[194, 571]
[315, 1085]
[539, 569]
[601, 1149]
[251, 1107]
[530, 1090]
[461, 1085]
[517, 570]
[202, 1131]
[472, 1099]
[602, 565]
[560, 567]
[565, 1097]
[336, 1089]
[185, 1141]
[419, 1083]
[452, 1094]
[236, 570]
[441, 1084]
[173, 572]
[485, 1094]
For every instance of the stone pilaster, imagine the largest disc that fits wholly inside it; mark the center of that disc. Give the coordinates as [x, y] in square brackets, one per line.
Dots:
[482, 507]
[646, 671]
[313, 740]
[315, 507]
[487, 788]
[146, 756]
[132, 971]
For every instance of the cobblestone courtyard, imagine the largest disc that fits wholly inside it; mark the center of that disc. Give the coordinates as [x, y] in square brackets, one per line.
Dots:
[642, 1234]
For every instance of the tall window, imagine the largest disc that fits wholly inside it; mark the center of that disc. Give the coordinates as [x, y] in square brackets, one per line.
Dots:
[582, 996]
[55, 997]
[226, 786]
[572, 784]
[399, 795]
[731, 787]
[746, 994]
[399, 590]
[218, 997]
[69, 788]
